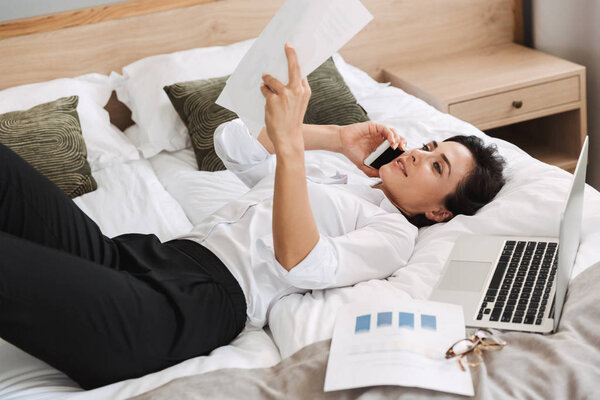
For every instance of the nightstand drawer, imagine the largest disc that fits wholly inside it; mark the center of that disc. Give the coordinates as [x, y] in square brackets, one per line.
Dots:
[484, 111]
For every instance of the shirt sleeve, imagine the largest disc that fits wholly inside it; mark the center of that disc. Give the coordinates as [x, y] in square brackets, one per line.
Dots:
[241, 153]
[374, 251]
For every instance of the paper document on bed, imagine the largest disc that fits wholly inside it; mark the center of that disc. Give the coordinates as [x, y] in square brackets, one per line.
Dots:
[400, 343]
[316, 29]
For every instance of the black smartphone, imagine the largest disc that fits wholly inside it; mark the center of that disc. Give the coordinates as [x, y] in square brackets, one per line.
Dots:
[382, 155]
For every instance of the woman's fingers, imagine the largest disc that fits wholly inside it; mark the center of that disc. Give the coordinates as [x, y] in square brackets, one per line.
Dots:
[266, 92]
[307, 90]
[293, 73]
[273, 83]
[403, 143]
[401, 140]
[394, 138]
[293, 65]
[305, 83]
[389, 135]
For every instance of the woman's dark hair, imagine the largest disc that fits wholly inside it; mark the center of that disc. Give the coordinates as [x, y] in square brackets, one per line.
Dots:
[476, 189]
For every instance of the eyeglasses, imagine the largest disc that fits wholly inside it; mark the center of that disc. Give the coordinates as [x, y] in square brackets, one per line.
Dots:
[472, 347]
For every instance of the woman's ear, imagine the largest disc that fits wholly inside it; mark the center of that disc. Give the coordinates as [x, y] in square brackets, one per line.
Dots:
[439, 215]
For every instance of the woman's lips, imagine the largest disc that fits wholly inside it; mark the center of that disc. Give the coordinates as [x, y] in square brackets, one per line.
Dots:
[402, 168]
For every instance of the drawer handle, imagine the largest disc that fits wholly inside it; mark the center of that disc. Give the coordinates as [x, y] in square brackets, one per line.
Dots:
[517, 104]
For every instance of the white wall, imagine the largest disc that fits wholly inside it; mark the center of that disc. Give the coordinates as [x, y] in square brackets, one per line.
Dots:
[17, 9]
[571, 29]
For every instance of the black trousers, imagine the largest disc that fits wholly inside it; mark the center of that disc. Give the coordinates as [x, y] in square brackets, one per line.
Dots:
[103, 310]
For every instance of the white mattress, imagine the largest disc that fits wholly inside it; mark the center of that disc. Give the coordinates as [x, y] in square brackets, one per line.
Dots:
[170, 197]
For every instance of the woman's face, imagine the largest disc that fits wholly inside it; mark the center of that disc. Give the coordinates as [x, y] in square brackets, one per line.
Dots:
[419, 180]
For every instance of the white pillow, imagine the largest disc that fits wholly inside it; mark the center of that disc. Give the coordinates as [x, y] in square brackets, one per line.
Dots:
[106, 145]
[141, 89]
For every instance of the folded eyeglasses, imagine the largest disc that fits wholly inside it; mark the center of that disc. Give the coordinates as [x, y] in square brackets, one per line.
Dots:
[470, 349]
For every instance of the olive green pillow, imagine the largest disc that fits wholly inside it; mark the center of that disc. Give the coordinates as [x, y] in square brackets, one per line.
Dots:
[48, 136]
[331, 103]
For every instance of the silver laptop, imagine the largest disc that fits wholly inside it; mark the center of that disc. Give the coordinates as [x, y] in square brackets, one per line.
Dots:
[516, 283]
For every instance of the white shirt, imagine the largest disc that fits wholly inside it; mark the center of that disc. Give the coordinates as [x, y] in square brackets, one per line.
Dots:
[362, 235]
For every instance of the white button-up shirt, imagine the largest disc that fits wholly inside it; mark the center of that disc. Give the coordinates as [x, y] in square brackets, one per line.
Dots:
[362, 235]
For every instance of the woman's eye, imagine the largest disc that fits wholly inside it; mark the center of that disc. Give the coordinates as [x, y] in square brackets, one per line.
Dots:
[437, 167]
[425, 147]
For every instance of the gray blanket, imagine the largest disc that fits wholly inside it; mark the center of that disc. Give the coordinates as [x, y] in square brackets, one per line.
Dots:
[565, 365]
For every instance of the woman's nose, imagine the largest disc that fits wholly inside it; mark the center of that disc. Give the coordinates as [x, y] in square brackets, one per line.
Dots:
[415, 156]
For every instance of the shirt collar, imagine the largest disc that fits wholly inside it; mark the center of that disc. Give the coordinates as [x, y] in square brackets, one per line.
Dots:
[316, 175]
[384, 203]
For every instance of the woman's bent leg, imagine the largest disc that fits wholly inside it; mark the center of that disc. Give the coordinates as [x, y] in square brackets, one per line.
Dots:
[33, 208]
[95, 324]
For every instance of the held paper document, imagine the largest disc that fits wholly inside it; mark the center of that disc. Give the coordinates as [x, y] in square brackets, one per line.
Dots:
[316, 29]
[400, 343]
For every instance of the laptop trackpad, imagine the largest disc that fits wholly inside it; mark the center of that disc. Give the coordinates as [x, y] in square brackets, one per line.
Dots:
[465, 276]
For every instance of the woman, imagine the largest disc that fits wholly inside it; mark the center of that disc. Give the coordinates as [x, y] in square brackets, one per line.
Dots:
[104, 310]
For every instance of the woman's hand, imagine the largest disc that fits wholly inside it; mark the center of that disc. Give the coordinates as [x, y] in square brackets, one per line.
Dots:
[361, 139]
[286, 105]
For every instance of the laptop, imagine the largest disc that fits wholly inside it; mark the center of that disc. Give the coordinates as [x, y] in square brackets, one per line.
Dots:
[516, 283]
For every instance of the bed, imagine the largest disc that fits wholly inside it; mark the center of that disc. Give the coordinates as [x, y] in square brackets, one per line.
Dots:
[150, 183]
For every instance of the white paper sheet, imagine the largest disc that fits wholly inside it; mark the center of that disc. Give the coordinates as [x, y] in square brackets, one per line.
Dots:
[316, 29]
[403, 343]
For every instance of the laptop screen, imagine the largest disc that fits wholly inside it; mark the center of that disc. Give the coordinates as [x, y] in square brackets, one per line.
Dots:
[570, 233]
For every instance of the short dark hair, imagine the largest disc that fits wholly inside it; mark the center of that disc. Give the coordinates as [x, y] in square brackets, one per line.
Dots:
[476, 189]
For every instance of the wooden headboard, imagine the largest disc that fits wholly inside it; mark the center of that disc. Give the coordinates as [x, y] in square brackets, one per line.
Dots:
[104, 39]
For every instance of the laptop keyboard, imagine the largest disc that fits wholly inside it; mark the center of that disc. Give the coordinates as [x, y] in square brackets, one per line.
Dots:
[521, 285]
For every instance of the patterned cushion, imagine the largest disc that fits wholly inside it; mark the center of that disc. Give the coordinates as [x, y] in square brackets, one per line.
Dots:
[48, 136]
[331, 103]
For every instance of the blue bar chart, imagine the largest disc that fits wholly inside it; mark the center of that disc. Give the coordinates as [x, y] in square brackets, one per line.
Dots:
[385, 319]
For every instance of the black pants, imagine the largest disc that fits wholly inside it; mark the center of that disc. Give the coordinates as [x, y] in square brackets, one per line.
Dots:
[103, 310]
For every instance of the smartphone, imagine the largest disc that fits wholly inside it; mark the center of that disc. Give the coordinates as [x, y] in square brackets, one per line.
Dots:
[382, 155]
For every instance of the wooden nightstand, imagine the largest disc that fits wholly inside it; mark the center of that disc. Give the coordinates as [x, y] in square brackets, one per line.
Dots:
[529, 98]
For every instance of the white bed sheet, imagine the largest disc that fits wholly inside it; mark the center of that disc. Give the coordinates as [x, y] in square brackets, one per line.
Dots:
[130, 198]
[26, 378]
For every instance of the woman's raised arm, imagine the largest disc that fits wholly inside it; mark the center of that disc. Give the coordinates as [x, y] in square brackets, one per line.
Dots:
[295, 231]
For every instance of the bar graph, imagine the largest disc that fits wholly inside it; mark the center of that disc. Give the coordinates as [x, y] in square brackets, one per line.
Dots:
[406, 320]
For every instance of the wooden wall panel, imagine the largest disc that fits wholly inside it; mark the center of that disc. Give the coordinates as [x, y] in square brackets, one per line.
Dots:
[402, 31]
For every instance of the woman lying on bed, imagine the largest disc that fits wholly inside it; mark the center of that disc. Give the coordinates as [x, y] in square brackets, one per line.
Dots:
[103, 310]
